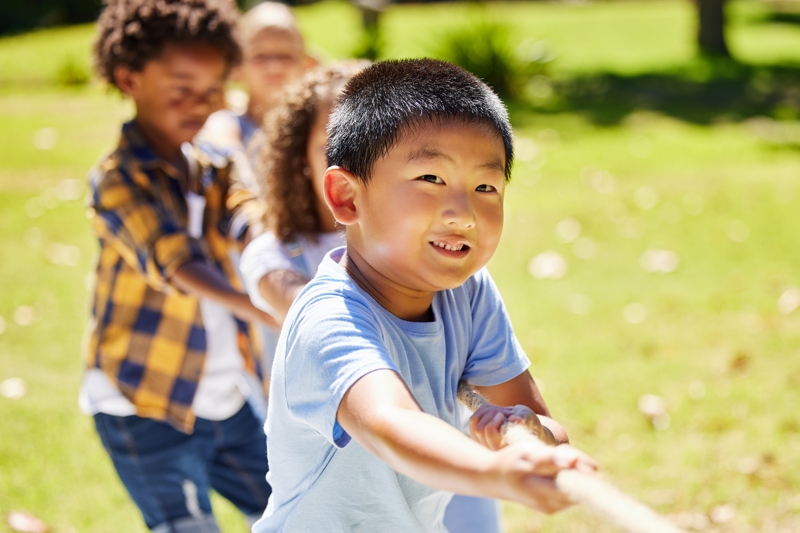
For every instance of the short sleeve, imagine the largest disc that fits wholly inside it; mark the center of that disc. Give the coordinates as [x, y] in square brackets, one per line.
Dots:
[330, 345]
[495, 355]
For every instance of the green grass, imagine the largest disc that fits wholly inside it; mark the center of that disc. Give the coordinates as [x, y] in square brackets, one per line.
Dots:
[714, 320]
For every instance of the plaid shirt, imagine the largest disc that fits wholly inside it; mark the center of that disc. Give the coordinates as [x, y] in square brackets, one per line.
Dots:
[146, 335]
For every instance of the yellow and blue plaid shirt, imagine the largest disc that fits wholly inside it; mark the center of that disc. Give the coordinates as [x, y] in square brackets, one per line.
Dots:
[145, 334]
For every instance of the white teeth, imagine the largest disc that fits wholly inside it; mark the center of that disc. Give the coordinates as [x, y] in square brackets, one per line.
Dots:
[450, 247]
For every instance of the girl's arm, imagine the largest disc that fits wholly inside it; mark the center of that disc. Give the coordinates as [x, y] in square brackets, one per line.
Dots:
[279, 288]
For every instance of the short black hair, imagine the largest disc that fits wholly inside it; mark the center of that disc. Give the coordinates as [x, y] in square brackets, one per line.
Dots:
[132, 32]
[389, 98]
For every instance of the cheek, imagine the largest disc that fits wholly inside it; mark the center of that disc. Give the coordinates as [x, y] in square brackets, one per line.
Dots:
[492, 224]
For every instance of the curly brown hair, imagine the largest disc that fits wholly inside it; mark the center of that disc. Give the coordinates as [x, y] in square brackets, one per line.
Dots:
[282, 173]
[132, 32]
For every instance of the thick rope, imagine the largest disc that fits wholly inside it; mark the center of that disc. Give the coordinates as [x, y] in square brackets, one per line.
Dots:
[581, 487]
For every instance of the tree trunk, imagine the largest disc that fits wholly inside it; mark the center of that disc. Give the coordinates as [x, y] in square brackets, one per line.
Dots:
[711, 28]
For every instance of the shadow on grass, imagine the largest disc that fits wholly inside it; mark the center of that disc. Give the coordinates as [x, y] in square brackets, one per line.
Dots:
[783, 17]
[703, 92]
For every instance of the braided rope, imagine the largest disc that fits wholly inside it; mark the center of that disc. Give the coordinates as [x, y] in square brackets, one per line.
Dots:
[618, 508]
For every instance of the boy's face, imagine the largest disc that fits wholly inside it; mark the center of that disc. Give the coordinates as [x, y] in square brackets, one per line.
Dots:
[175, 93]
[272, 58]
[432, 214]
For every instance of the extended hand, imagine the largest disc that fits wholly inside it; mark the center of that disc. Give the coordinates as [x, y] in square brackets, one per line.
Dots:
[486, 423]
[528, 470]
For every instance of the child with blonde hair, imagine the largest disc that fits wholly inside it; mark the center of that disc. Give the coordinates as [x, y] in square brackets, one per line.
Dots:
[273, 56]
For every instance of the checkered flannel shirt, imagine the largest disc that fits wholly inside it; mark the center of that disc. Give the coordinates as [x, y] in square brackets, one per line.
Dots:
[145, 334]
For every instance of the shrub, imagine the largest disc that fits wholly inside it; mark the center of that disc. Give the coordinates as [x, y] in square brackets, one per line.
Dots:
[485, 48]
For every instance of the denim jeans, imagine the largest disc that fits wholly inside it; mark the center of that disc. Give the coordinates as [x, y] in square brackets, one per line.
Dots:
[168, 473]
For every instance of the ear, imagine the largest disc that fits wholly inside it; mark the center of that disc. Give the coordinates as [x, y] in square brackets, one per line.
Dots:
[341, 187]
[127, 80]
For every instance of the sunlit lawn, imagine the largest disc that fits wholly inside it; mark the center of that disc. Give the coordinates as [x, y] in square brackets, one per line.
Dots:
[719, 202]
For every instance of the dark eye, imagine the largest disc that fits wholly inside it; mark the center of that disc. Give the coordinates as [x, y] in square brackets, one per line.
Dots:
[431, 178]
[485, 188]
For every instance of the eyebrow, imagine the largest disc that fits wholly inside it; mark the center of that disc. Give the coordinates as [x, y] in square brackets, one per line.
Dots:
[432, 153]
[428, 153]
[184, 76]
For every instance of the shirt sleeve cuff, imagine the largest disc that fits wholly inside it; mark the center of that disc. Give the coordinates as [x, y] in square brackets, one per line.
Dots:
[173, 251]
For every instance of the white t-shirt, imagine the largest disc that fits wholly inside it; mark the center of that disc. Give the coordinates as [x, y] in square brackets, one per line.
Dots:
[266, 253]
[335, 334]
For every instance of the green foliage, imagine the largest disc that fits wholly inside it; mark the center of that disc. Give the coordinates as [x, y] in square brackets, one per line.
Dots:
[72, 73]
[47, 58]
[20, 15]
[486, 48]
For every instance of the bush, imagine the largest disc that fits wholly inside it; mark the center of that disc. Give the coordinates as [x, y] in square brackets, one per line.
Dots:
[72, 73]
[485, 48]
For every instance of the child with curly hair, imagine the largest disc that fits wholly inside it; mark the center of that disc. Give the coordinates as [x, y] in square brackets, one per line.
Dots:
[301, 229]
[169, 362]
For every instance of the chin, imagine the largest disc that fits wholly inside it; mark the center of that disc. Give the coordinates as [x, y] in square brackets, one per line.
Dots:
[451, 282]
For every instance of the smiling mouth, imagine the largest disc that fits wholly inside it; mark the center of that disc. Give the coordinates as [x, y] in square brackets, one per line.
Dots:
[460, 248]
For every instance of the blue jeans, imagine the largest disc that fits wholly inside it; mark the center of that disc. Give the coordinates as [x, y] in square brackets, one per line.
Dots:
[168, 474]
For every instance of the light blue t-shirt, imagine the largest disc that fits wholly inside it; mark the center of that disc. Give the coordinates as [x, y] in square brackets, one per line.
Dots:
[334, 334]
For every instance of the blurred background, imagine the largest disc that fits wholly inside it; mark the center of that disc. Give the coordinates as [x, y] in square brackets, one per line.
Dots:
[650, 258]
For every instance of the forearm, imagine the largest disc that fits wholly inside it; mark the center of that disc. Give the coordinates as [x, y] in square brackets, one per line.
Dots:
[557, 433]
[380, 414]
[201, 280]
[431, 452]
[279, 288]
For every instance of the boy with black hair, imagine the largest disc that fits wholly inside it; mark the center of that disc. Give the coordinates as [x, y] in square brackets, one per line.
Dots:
[170, 365]
[363, 423]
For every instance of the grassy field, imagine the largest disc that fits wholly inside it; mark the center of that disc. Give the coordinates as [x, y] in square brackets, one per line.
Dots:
[671, 233]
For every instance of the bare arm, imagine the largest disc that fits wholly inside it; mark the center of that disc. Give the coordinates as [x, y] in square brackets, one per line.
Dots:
[380, 413]
[522, 390]
[199, 279]
[279, 288]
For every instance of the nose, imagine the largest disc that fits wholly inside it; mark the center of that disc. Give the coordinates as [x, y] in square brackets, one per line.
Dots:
[206, 102]
[457, 210]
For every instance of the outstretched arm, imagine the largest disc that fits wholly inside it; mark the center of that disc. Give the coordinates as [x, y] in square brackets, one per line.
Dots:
[380, 413]
[199, 279]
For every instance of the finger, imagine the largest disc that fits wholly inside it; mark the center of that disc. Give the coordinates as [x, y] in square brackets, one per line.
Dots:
[542, 459]
[492, 432]
[480, 427]
[489, 418]
[568, 457]
[545, 496]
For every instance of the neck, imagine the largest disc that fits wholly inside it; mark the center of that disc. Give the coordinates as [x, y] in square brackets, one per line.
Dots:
[160, 144]
[404, 303]
[256, 110]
